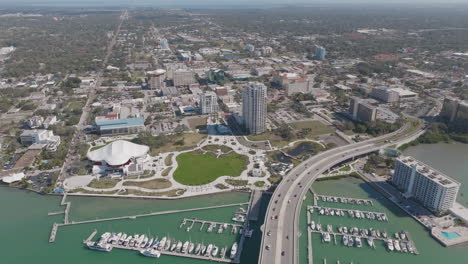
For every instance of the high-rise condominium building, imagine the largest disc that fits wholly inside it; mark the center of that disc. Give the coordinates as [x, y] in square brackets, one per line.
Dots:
[254, 107]
[433, 189]
[208, 102]
[320, 53]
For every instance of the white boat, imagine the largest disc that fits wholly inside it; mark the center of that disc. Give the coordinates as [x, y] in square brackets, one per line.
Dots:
[370, 242]
[150, 243]
[403, 246]
[214, 252]
[326, 237]
[185, 247]
[162, 243]
[203, 250]
[174, 246]
[397, 236]
[312, 225]
[351, 241]
[396, 244]
[345, 229]
[358, 242]
[144, 241]
[99, 246]
[233, 250]
[234, 230]
[168, 244]
[319, 227]
[403, 235]
[208, 250]
[329, 228]
[191, 247]
[153, 253]
[179, 246]
[345, 240]
[122, 239]
[197, 249]
[127, 240]
[390, 245]
[210, 228]
[220, 229]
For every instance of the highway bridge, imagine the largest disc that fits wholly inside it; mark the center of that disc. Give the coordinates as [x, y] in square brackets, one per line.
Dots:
[280, 240]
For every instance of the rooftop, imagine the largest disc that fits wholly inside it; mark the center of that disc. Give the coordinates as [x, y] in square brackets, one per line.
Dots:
[429, 172]
[120, 123]
[118, 152]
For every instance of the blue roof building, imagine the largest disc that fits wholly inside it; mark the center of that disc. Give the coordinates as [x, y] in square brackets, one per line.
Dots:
[121, 126]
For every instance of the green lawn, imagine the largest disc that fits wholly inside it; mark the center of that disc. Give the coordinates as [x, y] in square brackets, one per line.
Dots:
[198, 169]
[317, 128]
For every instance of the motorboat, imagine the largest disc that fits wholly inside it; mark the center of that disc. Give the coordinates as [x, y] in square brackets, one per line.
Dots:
[233, 250]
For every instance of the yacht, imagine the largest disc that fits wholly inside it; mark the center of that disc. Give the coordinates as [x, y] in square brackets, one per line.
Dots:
[168, 244]
[397, 236]
[203, 250]
[162, 243]
[197, 249]
[127, 240]
[403, 246]
[99, 246]
[179, 246]
[312, 225]
[233, 250]
[403, 235]
[384, 233]
[390, 245]
[370, 242]
[153, 253]
[329, 228]
[185, 247]
[319, 227]
[215, 251]
[143, 241]
[208, 250]
[220, 229]
[326, 237]
[174, 245]
[191, 247]
[358, 242]
[210, 228]
[351, 241]
[345, 229]
[345, 240]
[122, 239]
[396, 244]
[150, 243]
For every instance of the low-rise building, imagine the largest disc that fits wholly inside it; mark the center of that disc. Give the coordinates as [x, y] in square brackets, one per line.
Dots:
[43, 137]
[121, 126]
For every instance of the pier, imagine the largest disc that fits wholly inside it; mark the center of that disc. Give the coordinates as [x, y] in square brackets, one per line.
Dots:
[90, 237]
[345, 200]
[203, 222]
[55, 213]
[254, 205]
[368, 215]
[53, 233]
[310, 259]
[179, 254]
[152, 214]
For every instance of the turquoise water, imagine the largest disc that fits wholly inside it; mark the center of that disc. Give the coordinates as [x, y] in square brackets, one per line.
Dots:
[451, 235]
[431, 252]
[25, 227]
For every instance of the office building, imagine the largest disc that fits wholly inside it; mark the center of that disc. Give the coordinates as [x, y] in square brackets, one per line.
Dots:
[432, 188]
[320, 53]
[209, 102]
[164, 44]
[293, 83]
[454, 110]
[385, 95]
[183, 77]
[254, 107]
[215, 76]
[121, 126]
[40, 136]
[156, 78]
[362, 111]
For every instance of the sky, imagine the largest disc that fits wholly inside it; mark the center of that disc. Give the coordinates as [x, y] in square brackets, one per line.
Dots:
[214, 3]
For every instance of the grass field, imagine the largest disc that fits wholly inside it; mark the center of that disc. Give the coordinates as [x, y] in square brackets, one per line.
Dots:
[199, 169]
[151, 184]
[275, 140]
[317, 128]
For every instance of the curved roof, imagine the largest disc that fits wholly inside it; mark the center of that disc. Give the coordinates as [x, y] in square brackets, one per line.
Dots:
[118, 152]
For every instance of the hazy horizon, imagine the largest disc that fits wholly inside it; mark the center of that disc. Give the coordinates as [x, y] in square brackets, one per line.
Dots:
[219, 3]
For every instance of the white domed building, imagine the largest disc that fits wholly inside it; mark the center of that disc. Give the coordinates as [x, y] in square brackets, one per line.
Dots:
[120, 156]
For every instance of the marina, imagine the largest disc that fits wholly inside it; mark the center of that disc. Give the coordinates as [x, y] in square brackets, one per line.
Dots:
[151, 247]
[212, 226]
[358, 214]
[345, 200]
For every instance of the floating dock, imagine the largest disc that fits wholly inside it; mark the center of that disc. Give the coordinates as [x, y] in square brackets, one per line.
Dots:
[345, 200]
[378, 216]
[254, 205]
[203, 222]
